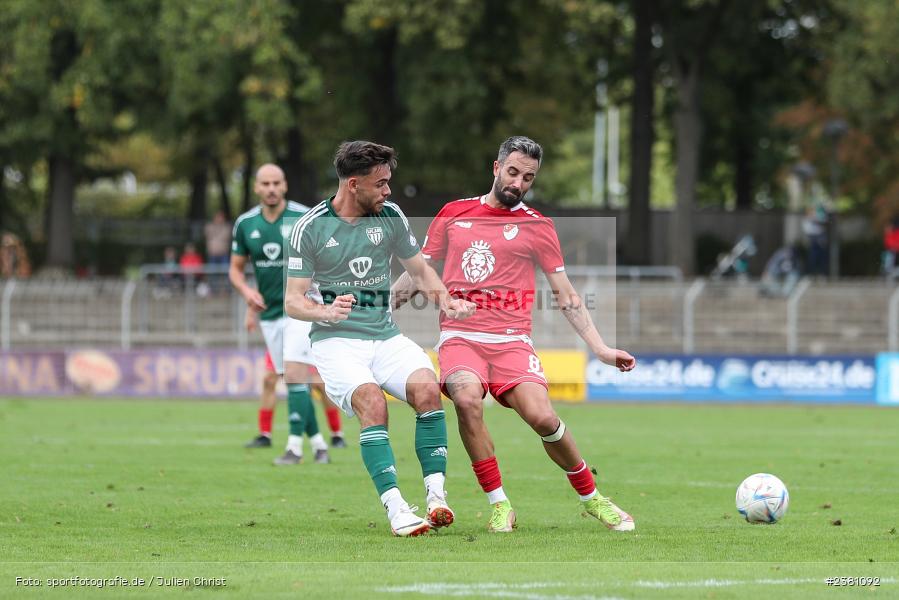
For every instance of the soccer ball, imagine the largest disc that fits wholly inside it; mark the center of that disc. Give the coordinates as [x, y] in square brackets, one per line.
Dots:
[762, 498]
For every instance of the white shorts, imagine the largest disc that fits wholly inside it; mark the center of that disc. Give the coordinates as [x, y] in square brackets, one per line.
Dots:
[344, 364]
[287, 340]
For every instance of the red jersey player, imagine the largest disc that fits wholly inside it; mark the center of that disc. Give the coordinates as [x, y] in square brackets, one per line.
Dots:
[490, 247]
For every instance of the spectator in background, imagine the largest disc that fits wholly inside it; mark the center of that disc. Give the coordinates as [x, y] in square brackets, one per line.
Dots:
[191, 262]
[170, 278]
[891, 245]
[14, 261]
[192, 267]
[218, 247]
[814, 226]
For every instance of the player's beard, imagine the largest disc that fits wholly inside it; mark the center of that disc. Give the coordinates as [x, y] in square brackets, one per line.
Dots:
[505, 195]
[372, 205]
[272, 199]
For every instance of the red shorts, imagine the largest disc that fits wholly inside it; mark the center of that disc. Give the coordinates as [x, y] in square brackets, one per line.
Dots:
[500, 367]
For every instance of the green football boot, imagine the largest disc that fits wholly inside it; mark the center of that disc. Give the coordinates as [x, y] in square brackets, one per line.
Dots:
[608, 514]
[502, 520]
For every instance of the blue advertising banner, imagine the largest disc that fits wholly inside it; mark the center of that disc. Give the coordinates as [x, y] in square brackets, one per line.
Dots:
[827, 379]
[888, 378]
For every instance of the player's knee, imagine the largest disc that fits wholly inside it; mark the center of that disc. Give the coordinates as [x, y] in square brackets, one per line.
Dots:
[544, 422]
[424, 397]
[469, 405]
[270, 381]
[369, 404]
[371, 416]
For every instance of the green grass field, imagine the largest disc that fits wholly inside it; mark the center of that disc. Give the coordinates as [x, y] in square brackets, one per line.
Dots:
[99, 489]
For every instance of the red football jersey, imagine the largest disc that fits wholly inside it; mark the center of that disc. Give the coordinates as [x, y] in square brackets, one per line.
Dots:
[489, 257]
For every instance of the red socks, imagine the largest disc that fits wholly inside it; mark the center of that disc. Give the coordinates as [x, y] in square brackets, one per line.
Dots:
[487, 472]
[333, 414]
[582, 479]
[265, 421]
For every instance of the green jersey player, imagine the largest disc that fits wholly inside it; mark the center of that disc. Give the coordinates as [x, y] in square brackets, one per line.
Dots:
[342, 248]
[258, 237]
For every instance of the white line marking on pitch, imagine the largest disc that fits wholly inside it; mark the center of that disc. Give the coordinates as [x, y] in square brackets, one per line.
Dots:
[527, 591]
[491, 590]
[664, 585]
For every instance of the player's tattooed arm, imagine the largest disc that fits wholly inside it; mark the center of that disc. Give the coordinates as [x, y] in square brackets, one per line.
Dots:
[579, 317]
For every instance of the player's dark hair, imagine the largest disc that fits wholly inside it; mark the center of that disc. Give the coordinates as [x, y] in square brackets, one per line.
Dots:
[519, 143]
[360, 157]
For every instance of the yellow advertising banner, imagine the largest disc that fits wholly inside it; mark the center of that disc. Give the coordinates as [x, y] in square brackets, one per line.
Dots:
[565, 371]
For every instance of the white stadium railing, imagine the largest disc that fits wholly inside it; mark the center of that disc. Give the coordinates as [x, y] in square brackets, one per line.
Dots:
[643, 309]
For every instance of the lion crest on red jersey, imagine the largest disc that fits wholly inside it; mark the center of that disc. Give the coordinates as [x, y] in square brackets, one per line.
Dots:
[478, 262]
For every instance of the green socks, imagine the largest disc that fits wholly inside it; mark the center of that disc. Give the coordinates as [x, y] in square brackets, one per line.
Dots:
[378, 457]
[430, 441]
[430, 446]
[300, 410]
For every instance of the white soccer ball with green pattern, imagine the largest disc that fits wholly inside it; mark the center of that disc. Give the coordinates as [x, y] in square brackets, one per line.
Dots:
[762, 498]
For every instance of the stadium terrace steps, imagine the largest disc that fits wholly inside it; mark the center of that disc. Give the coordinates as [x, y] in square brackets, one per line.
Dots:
[844, 318]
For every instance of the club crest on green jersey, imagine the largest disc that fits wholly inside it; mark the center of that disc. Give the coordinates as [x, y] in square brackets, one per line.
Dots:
[375, 234]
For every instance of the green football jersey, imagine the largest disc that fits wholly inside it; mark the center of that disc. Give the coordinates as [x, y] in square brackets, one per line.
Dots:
[352, 258]
[263, 243]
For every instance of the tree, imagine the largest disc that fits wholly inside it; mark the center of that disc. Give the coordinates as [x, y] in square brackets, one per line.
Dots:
[690, 30]
[469, 74]
[253, 75]
[72, 72]
[774, 60]
[864, 71]
[642, 117]
[422, 70]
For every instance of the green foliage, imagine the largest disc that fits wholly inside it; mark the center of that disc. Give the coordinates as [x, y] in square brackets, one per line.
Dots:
[221, 58]
[448, 23]
[565, 169]
[863, 75]
[163, 87]
[866, 64]
[470, 74]
[771, 59]
[73, 73]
